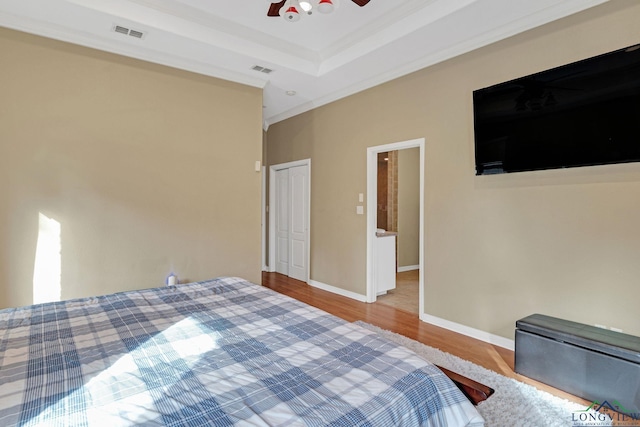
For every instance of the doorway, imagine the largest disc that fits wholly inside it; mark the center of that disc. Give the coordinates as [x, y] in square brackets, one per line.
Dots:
[373, 156]
[289, 219]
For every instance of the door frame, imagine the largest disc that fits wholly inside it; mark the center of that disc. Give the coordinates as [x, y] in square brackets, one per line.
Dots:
[263, 218]
[273, 212]
[372, 213]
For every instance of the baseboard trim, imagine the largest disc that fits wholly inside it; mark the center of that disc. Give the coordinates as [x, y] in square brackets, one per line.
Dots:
[437, 321]
[408, 268]
[469, 331]
[339, 291]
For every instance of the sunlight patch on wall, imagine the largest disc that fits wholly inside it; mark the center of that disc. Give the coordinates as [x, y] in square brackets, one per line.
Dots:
[47, 269]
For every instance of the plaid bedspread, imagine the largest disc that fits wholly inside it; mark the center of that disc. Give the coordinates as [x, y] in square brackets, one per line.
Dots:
[221, 352]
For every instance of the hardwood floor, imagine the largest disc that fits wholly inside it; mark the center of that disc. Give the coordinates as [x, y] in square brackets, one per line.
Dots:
[484, 354]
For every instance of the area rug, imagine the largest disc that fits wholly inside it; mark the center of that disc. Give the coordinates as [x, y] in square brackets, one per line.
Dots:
[514, 403]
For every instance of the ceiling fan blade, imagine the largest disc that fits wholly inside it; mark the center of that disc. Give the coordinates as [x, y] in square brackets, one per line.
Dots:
[274, 9]
[360, 2]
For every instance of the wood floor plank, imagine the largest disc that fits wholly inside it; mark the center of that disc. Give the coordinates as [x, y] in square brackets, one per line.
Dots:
[492, 357]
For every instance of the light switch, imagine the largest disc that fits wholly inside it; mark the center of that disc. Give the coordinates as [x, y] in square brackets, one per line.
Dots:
[361, 197]
[360, 210]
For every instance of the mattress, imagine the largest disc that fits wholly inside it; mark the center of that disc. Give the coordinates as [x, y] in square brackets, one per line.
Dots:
[220, 352]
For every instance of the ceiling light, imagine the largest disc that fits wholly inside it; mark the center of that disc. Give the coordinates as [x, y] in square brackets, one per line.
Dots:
[325, 6]
[291, 14]
[291, 92]
[305, 5]
[292, 10]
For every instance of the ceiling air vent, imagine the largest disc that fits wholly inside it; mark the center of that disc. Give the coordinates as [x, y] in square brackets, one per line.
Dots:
[261, 69]
[128, 31]
[137, 34]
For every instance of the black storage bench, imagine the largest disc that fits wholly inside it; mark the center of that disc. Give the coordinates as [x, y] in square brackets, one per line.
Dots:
[590, 362]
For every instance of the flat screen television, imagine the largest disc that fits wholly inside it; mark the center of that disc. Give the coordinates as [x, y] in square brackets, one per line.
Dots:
[581, 114]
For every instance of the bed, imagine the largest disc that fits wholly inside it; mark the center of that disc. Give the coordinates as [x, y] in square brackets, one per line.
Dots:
[220, 352]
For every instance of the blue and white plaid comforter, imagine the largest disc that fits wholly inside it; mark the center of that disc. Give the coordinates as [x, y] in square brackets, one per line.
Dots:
[221, 352]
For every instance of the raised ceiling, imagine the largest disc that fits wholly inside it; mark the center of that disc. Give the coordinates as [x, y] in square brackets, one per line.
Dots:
[321, 58]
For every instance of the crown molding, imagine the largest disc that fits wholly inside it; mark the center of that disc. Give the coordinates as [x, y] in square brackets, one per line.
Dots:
[56, 32]
[531, 21]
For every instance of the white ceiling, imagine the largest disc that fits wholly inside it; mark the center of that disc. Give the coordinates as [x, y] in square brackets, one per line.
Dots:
[322, 57]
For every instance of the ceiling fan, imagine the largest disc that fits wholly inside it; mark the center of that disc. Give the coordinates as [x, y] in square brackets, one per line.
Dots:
[291, 10]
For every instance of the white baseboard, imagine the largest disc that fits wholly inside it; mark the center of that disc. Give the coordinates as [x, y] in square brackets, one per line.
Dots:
[408, 268]
[469, 331]
[339, 291]
[437, 321]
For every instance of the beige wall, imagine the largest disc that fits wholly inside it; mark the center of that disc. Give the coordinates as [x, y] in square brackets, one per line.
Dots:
[147, 169]
[409, 207]
[563, 243]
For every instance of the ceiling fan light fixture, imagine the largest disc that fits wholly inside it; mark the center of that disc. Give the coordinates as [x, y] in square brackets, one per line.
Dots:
[325, 6]
[305, 5]
[292, 14]
[292, 10]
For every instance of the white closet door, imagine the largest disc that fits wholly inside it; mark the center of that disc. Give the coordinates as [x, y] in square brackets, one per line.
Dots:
[299, 246]
[282, 221]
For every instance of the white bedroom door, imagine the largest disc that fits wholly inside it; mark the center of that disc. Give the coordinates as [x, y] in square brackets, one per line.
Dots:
[282, 221]
[290, 221]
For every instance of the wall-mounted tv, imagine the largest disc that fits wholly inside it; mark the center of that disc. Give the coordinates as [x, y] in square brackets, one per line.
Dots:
[581, 114]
